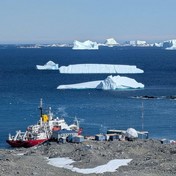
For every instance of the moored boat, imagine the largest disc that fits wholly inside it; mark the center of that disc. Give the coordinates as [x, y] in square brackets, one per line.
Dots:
[42, 131]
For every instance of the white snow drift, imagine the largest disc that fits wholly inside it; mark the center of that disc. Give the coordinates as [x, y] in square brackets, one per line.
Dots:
[87, 45]
[50, 65]
[110, 83]
[111, 166]
[100, 68]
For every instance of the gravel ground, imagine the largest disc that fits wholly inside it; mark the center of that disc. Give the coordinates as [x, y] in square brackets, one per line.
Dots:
[150, 158]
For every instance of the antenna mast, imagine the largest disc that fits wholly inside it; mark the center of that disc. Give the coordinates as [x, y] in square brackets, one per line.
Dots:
[41, 111]
[41, 107]
[142, 118]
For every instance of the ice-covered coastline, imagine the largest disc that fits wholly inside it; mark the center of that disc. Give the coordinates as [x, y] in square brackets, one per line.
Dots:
[149, 157]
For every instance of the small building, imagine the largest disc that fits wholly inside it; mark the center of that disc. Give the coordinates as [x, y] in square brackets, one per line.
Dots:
[112, 137]
[143, 134]
[120, 132]
[56, 135]
[123, 133]
[77, 139]
[100, 137]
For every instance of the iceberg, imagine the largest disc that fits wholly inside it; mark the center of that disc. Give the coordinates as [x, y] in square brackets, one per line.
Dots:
[87, 45]
[119, 82]
[29, 46]
[136, 43]
[158, 45]
[99, 68]
[85, 85]
[110, 83]
[56, 45]
[50, 65]
[170, 44]
[111, 42]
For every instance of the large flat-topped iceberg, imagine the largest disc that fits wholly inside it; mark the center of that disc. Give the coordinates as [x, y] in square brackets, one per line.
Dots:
[99, 68]
[110, 83]
[50, 65]
[87, 45]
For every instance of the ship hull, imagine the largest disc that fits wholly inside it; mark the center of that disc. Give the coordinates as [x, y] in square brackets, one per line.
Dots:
[26, 144]
[15, 143]
[31, 143]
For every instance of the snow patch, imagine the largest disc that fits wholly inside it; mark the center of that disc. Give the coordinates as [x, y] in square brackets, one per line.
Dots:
[111, 166]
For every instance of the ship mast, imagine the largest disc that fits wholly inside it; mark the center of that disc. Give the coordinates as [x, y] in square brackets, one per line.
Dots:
[41, 111]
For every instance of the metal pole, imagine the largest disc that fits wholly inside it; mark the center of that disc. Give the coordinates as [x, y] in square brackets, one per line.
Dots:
[142, 117]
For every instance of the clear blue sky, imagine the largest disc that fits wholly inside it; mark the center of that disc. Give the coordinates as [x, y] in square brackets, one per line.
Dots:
[47, 21]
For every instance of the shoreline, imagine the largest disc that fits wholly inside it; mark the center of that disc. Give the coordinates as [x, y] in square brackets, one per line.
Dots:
[149, 157]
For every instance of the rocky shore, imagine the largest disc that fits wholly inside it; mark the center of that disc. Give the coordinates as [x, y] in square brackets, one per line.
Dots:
[149, 158]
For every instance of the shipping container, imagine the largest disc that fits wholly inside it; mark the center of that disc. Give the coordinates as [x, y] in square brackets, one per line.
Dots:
[56, 135]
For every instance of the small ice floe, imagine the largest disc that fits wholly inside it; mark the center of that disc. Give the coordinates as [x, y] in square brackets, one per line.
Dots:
[111, 166]
[20, 154]
[50, 65]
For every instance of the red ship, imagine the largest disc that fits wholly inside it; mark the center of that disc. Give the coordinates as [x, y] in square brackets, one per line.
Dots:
[42, 131]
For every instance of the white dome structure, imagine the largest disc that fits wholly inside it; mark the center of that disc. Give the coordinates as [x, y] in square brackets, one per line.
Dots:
[131, 133]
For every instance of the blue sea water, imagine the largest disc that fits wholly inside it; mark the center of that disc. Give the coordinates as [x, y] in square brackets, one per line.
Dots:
[22, 86]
